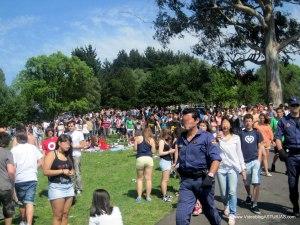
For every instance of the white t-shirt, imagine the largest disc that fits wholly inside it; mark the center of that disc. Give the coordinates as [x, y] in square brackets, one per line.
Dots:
[231, 153]
[25, 159]
[115, 218]
[77, 137]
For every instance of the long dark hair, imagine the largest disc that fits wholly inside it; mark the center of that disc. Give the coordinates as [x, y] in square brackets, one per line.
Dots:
[69, 153]
[100, 203]
[230, 122]
[267, 120]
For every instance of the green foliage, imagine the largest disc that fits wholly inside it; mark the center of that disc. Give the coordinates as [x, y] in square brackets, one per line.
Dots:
[290, 78]
[230, 33]
[222, 88]
[88, 55]
[50, 85]
[53, 84]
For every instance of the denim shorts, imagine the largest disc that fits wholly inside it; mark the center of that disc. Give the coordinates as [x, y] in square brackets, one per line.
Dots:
[26, 191]
[60, 190]
[165, 164]
[253, 172]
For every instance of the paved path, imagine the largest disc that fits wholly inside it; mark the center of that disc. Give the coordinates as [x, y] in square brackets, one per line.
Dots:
[273, 202]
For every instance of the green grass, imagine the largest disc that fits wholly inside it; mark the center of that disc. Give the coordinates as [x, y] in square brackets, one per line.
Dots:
[114, 172]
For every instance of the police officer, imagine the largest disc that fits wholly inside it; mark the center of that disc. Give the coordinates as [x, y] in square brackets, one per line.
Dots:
[199, 159]
[289, 127]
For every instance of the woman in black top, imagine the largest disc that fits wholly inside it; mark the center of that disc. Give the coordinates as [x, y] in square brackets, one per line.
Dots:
[59, 168]
[165, 151]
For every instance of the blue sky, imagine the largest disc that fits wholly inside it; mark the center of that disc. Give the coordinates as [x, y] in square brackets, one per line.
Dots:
[34, 27]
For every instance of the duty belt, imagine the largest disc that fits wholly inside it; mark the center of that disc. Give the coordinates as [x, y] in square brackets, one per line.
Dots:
[194, 174]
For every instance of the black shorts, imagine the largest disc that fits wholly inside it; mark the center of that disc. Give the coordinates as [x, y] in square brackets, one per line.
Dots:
[6, 200]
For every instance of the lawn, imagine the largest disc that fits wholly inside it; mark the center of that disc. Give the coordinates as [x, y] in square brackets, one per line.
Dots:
[114, 172]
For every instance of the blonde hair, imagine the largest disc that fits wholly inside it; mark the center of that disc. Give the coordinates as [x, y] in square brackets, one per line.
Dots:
[147, 134]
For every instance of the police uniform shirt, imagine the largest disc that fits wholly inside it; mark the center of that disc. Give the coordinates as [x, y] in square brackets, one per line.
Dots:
[289, 127]
[197, 154]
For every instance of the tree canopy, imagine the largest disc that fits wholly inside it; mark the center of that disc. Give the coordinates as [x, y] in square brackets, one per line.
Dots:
[56, 83]
[50, 85]
[233, 33]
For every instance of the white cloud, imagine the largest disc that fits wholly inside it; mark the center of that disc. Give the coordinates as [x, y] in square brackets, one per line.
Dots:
[128, 31]
[17, 22]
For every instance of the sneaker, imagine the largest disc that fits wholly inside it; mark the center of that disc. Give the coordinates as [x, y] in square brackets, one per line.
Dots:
[296, 212]
[78, 192]
[148, 199]
[138, 200]
[255, 210]
[231, 220]
[268, 174]
[167, 198]
[248, 200]
[273, 168]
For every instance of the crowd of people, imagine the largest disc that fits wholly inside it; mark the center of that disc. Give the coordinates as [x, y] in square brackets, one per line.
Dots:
[196, 143]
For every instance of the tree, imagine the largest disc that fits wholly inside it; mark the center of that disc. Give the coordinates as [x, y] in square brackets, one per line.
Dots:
[56, 83]
[290, 77]
[232, 33]
[89, 56]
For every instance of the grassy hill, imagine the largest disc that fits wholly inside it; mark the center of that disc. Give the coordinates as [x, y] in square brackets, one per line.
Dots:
[114, 172]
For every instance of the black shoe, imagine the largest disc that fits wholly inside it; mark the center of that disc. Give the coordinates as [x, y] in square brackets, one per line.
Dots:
[248, 200]
[296, 212]
[255, 210]
[273, 168]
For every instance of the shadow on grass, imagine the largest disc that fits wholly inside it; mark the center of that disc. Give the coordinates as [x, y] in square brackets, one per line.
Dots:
[17, 219]
[43, 193]
[131, 194]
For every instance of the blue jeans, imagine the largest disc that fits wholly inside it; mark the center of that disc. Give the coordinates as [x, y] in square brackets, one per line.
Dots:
[228, 179]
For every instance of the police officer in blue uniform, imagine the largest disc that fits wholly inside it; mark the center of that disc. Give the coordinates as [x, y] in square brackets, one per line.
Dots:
[289, 127]
[199, 159]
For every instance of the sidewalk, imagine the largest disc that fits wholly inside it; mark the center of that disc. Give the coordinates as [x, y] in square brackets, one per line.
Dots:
[273, 202]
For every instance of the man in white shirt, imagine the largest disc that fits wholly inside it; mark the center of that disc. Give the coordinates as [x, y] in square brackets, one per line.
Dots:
[27, 159]
[77, 144]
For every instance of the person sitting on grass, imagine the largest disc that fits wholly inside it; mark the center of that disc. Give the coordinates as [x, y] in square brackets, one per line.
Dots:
[102, 213]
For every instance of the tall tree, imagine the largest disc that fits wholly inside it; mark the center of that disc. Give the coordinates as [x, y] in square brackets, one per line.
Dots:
[89, 55]
[232, 33]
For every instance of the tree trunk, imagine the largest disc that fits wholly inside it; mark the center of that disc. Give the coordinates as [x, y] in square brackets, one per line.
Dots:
[273, 82]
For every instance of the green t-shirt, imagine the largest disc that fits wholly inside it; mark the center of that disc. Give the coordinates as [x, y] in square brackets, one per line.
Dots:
[129, 124]
[273, 124]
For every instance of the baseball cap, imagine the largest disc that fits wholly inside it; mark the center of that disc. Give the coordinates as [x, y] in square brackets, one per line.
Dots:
[294, 101]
